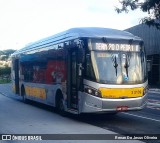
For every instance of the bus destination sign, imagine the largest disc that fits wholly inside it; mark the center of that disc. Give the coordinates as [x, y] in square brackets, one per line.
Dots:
[117, 47]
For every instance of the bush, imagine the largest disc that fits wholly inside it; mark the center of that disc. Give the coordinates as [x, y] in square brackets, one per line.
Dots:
[5, 75]
[5, 71]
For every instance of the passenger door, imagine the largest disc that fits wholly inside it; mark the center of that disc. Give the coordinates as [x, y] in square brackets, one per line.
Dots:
[72, 79]
[16, 69]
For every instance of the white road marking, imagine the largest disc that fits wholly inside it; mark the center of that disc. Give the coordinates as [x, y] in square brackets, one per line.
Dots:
[142, 117]
[153, 107]
[153, 101]
[153, 104]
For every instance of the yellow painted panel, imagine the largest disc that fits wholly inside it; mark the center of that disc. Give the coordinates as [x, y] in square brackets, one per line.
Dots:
[27, 90]
[37, 92]
[121, 92]
[42, 93]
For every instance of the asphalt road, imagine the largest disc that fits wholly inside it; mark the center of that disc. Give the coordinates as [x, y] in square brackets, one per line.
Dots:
[146, 121]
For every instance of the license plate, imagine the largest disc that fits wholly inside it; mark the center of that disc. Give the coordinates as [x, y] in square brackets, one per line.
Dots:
[122, 108]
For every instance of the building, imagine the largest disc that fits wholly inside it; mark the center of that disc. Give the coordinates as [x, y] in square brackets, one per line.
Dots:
[151, 37]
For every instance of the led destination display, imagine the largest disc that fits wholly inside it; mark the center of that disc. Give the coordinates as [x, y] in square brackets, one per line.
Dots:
[117, 47]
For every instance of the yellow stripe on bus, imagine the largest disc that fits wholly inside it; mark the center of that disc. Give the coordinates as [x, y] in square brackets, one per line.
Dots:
[36, 92]
[121, 92]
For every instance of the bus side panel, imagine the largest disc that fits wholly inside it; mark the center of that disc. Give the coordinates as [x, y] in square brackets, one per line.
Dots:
[43, 74]
[56, 72]
[42, 93]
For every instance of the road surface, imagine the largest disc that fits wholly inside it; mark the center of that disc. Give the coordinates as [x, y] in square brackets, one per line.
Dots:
[19, 118]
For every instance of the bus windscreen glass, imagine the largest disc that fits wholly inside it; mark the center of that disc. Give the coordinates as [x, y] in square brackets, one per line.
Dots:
[121, 64]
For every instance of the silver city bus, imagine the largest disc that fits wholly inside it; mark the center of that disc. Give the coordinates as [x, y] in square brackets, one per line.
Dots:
[83, 70]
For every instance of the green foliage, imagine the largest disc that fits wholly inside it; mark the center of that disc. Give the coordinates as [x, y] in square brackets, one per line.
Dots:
[9, 51]
[1, 53]
[3, 57]
[5, 75]
[5, 71]
[5, 54]
[4, 80]
[150, 6]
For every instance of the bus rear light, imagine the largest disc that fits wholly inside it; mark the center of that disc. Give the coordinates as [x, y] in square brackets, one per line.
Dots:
[93, 92]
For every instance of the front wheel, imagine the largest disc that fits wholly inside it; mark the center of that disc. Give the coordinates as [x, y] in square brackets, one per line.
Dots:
[23, 94]
[61, 108]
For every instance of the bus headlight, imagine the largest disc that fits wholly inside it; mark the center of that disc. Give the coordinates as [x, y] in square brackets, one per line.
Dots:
[93, 92]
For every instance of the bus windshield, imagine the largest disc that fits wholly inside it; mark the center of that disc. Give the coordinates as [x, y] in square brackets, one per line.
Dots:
[116, 67]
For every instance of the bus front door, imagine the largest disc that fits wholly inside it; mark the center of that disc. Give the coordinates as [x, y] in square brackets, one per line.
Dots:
[72, 83]
[16, 69]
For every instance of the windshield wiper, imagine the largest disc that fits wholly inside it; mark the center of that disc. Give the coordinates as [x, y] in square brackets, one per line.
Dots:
[126, 65]
[115, 64]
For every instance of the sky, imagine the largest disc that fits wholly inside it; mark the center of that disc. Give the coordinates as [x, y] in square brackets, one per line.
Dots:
[26, 21]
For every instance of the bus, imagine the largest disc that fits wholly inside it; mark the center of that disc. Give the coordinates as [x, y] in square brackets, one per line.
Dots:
[83, 70]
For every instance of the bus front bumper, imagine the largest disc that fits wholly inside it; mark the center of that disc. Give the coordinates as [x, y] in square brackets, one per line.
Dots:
[92, 104]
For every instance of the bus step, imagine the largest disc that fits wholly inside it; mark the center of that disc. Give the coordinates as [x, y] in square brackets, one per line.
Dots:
[70, 110]
[74, 106]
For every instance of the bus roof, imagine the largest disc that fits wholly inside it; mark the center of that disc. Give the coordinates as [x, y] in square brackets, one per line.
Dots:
[85, 32]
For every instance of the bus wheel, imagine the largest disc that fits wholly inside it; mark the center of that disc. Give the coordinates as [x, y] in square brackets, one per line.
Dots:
[61, 109]
[23, 94]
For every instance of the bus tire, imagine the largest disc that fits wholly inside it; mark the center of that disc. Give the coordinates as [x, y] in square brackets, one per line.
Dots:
[59, 104]
[23, 94]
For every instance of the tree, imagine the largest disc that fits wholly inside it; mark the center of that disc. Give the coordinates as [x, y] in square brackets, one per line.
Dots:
[9, 51]
[5, 71]
[5, 54]
[3, 57]
[150, 6]
[2, 53]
